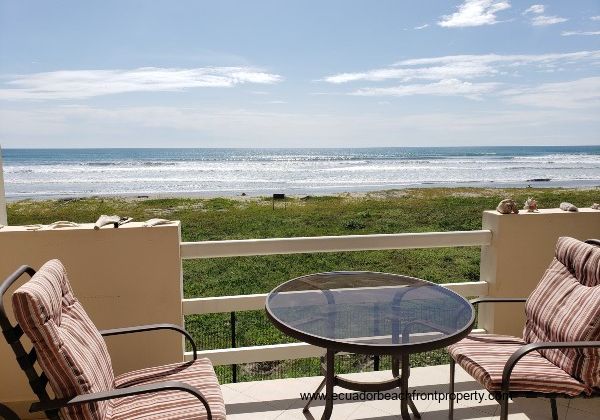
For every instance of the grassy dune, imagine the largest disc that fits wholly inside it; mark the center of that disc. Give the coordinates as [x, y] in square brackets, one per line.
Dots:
[414, 210]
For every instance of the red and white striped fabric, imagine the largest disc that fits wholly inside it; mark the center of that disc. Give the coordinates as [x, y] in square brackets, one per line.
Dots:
[483, 356]
[74, 356]
[70, 349]
[172, 405]
[565, 306]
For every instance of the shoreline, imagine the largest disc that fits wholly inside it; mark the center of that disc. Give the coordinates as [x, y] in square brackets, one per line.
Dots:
[457, 190]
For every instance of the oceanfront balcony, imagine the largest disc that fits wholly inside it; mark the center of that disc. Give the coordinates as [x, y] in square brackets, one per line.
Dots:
[133, 276]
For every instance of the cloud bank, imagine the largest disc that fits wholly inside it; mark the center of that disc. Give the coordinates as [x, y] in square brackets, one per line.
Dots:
[461, 75]
[78, 84]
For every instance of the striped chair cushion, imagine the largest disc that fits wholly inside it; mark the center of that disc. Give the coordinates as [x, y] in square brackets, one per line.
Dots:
[565, 306]
[70, 350]
[173, 405]
[581, 259]
[484, 356]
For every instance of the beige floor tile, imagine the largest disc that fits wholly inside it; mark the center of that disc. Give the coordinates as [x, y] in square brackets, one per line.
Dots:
[263, 415]
[392, 407]
[591, 405]
[439, 411]
[241, 386]
[574, 414]
[364, 412]
[532, 409]
[341, 410]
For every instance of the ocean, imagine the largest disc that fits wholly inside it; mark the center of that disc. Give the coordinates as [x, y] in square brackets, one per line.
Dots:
[43, 173]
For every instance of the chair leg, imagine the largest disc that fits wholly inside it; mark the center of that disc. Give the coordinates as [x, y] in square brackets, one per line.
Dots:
[554, 408]
[451, 390]
[7, 413]
[504, 407]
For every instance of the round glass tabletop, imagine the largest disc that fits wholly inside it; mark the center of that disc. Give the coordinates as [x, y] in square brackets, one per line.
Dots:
[372, 313]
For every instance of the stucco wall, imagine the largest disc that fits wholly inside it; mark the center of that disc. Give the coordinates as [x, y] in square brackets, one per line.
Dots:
[123, 277]
[521, 250]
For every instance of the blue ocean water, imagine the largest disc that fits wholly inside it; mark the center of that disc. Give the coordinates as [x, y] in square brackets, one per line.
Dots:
[31, 173]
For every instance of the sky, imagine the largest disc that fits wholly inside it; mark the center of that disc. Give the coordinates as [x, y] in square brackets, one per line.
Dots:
[299, 73]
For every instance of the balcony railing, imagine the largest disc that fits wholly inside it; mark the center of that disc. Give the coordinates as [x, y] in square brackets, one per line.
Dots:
[276, 246]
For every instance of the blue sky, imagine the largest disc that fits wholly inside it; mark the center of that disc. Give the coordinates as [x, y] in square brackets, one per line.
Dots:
[299, 73]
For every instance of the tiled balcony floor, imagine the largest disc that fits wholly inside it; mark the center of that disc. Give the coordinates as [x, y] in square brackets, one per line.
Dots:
[280, 399]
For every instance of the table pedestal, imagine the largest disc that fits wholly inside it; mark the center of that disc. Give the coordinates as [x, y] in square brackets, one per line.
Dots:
[400, 380]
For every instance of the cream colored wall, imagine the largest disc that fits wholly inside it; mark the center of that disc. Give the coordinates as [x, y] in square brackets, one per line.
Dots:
[123, 277]
[521, 250]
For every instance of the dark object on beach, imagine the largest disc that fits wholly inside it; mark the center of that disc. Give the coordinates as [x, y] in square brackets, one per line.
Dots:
[142, 196]
[538, 180]
[279, 197]
[243, 194]
[564, 206]
[308, 197]
[116, 221]
[507, 206]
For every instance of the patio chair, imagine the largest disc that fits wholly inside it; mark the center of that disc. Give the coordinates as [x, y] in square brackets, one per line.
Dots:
[559, 354]
[74, 360]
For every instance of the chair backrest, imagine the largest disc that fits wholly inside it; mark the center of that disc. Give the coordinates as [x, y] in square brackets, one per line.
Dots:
[70, 350]
[565, 306]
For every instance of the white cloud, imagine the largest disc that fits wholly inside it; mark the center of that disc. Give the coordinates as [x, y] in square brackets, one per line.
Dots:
[447, 87]
[595, 18]
[543, 20]
[469, 76]
[535, 9]
[474, 13]
[74, 84]
[576, 94]
[461, 66]
[508, 59]
[421, 27]
[465, 69]
[571, 33]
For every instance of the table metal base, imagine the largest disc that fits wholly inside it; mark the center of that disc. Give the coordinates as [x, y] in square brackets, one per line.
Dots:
[400, 380]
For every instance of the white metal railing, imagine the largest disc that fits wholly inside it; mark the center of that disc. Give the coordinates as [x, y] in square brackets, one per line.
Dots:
[275, 246]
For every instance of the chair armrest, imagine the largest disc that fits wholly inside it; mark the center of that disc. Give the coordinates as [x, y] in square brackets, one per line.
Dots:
[151, 327]
[120, 393]
[595, 242]
[528, 348]
[477, 301]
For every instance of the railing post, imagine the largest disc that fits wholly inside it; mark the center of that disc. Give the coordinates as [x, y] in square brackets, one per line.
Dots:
[233, 344]
[3, 217]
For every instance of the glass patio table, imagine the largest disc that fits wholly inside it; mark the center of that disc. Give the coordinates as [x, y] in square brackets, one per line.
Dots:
[369, 313]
